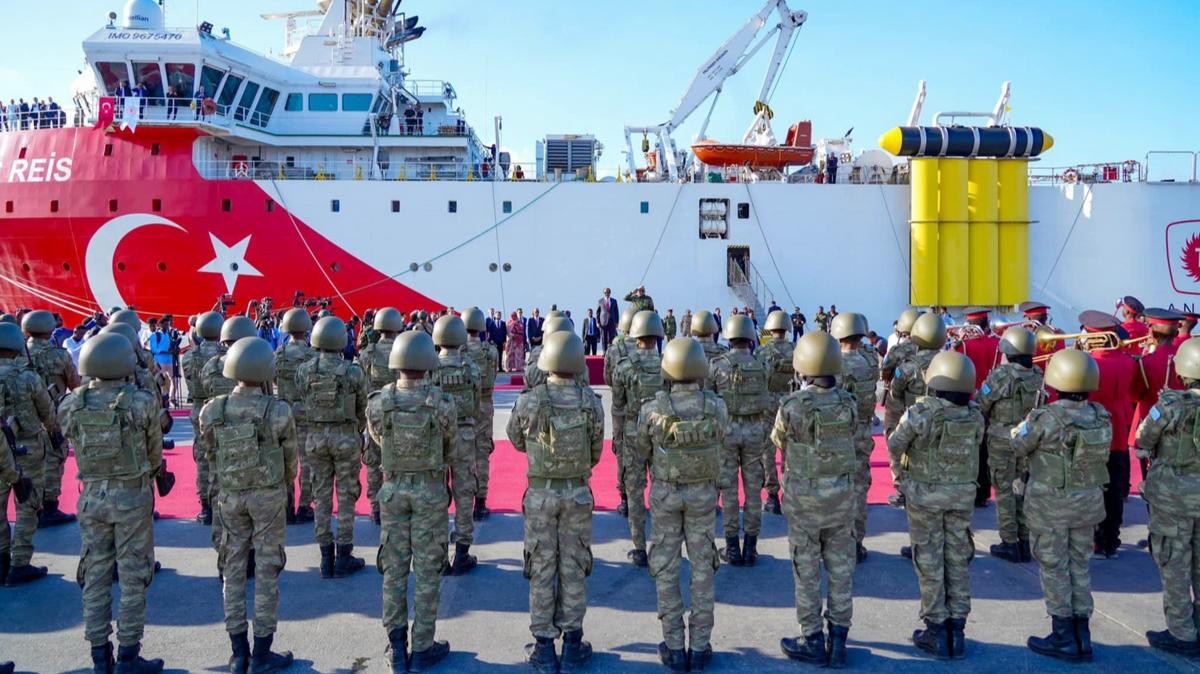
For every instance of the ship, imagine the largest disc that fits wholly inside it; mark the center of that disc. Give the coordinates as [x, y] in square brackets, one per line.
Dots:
[192, 171]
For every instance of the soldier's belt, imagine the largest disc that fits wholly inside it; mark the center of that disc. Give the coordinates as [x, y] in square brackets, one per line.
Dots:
[557, 482]
[125, 483]
[421, 477]
[685, 483]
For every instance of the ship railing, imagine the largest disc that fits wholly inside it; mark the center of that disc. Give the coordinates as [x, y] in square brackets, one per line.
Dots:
[1128, 171]
[430, 88]
[1171, 166]
[389, 169]
[161, 110]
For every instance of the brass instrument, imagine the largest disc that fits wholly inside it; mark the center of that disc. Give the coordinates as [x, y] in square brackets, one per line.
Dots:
[1085, 341]
[964, 332]
[1029, 324]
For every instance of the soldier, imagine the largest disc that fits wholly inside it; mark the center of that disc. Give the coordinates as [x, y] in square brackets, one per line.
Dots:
[684, 431]
[936, 446]
[1066, 445]
[415, 424]
[818, 426]
[288, 358]
[776, 355]
[893, 408]
[705, 329]
[560, 426]
[640, 300]
[1011, 391]
[114, 428]
[907, 383]
[373, 359]
[534, 375]
[251, 442]
[614, 356]
[741, 381]
[208, 327]
[458, 376]
[335, 405]
[13, 480]
[487, 359]
[670, 326]
[637, 382]
[860, 371]
[29, 413]
[1168, 437]
[54, 365]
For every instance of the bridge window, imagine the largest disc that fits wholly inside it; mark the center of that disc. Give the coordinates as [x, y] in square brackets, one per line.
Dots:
[335, 205]
[209, 79]
[150, 77]
[229, 91]
[247, 100]
[395, 206]
[453, 206]
[507, 207]
[356, 102]
[322, 102]
[182, 76]
[294, 103]
[266, 105]
[645, 207]
[111, 74]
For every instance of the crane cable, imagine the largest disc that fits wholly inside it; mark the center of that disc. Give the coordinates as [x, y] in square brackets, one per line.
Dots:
[767, 244]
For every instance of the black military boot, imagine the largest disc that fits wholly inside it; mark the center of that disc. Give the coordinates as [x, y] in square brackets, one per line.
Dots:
[327, 561]
[933, 640]
[5, 563]
[837, 646]
[1165, 641]
[771, 505]
[1009, 552]
[304, 514]
[375, 518]
[1025, 551]
[481, 512]
[290, 513]
[676, 661]
[860, 555]
[1083, 634]
[575, 651]
[638, 557]
[239, 661]
[426, 659]
[345, 564]
[732, 554]
[623, 506]
[205, 515]
[956, 635]
[464, 561]
[698, 660]
[19, 575]
[1060, 643]
[398, 642]
[263, 661]
[102, 659]
[51, 516]
[809, 648]
[251, 566]
[130, 661]
[541, 656]
[750, 550]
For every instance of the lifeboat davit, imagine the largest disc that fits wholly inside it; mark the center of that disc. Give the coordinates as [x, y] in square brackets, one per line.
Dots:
[797, 150]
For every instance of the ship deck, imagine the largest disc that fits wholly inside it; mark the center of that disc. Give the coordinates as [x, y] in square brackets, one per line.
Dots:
[334, 626]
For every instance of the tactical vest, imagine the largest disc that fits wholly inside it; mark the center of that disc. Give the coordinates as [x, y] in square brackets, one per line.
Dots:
[380, 374]
[1180, 445]
[1019, 400]
[287, 362]
[46, 361]
[200, 355]
[561, 446]
[690, 451]
[20, 404]
[860, 380]
[1080, 459]
[412, 442]
[824, 446]
[909, 382]
[780, 375]
[950, 453]
[458, 382]
[248, 455]
[746, 393]
[219, 384]
[106, 444]
[645, 381]
[328, 399]
[480, 352]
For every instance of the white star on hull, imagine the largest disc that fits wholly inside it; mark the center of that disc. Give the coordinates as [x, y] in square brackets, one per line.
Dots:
[230, 261]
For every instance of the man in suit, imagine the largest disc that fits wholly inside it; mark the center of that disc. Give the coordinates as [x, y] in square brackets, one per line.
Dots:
[717, 316]
[607, 315]
[533, 328]
[590, 333]
[498, 332]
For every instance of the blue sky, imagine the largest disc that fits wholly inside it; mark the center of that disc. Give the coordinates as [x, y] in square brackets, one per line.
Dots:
[1109, 80]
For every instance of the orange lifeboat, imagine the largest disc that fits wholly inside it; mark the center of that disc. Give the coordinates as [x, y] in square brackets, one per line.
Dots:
[797, 150]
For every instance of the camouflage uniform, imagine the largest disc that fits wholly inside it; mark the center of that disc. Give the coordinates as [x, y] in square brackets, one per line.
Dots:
[1172, 488]
[487, 358]
[374, 361]
[637, 381]
[906, 383]
[251, 441]
[817, 428]
[712, 350]
[776, 355]
[1010, 393]
[1066, 444]
[458, 376]
[560, 426]
[893, 406]
[683, 431]
[192, 363]
[741, 381]
[860, 371]
[936, 446]
[213, 383]
[416, 427]
[288, 359]
[54, 365]
[614, 357]
[115, 431]
[335, 404]
[533, 376]
[32, 413]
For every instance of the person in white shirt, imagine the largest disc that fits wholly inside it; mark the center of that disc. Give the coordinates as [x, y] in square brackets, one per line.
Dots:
[74, 343]
[14, 115]
[894, 338]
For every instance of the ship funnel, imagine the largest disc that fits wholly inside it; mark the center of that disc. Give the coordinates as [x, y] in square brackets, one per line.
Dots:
[142, 15]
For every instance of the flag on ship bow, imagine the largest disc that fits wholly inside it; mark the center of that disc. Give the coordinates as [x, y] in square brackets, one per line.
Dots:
[106, 112]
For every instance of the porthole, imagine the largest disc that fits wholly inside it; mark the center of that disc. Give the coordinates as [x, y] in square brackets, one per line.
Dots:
[120, 266]
[336, 266]
[493, 266]
[507, 267]
[414, 267]
[162, 266]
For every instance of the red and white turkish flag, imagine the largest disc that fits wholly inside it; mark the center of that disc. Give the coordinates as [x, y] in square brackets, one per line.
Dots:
[106, 113]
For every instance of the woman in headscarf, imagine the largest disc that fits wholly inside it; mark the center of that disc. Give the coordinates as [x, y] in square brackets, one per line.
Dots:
[514, 360]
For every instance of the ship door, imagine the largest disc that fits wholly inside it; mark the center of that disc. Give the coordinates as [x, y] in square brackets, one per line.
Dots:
[738, 272]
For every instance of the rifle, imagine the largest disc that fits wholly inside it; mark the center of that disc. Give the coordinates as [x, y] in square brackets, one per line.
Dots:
[23, 487]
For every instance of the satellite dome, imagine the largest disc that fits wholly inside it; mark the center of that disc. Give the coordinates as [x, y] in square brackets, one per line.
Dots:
[142, 15]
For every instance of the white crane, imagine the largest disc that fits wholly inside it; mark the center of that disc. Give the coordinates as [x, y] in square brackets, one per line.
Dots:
[711, 76]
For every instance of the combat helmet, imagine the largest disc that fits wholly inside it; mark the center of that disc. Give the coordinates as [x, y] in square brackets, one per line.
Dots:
[106, 356]
[236, 328]
[683, 359]
[905, 322]
[125, 331]
[296, 321]
[817, 354]
[11, 337]
[557, 324]
[8, 318]
[127, 316]
[1018, 341]
[208, 325]
[40, 322]
[474, 319]
[449, 331]
[848, 324]
[776, 320]
[329, 334]
[1187, 359]
[627, 319]
[950, 372]
[646, 324]
[389, 319]
[413, 350]
[704, 324]
[1072, 371]
[928, 332]
[738, 326]
[554, 312]
[250, 360]
[562, 352]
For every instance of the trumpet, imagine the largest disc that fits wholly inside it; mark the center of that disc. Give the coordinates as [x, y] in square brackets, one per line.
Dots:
[1030, 325]
[1085, 341]
[964, 332]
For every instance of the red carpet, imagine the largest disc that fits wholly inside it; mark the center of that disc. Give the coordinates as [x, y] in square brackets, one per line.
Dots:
[506, 489]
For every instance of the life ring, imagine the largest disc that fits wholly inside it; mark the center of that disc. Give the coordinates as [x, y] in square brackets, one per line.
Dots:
[209, 106]
[1070, 176]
